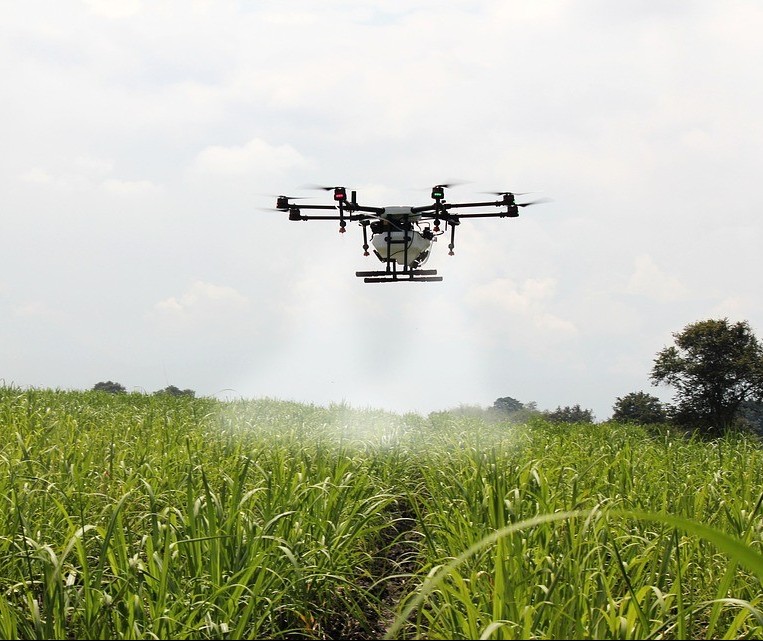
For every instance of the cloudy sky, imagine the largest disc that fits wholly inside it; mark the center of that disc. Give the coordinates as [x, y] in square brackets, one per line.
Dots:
[141, 140]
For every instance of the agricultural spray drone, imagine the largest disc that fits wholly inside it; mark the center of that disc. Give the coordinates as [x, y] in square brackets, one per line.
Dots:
[402, 237]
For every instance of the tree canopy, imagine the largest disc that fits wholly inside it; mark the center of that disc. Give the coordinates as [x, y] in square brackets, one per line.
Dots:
[569, 414]
[109, 386]
[172, 390]
[508, 404]
[714, 367]
[638, 407]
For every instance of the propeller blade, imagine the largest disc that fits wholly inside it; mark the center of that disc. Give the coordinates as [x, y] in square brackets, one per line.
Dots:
[453, 183]
[284, 196]
[321, 187]
[508, 193]
[534, 202]
[446, 185]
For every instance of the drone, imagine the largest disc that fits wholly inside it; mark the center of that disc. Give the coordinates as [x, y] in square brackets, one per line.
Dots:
[402, 237]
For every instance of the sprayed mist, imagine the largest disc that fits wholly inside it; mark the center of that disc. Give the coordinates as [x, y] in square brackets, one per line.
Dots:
[351, 430]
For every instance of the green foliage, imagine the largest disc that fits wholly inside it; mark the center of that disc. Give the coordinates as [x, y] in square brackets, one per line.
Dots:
[110, 387]
[159, 516]
[567, 414]
[508, 404]
[714, 366]
[750, 416]
[171, 390]
[511, 410]
[638, 407]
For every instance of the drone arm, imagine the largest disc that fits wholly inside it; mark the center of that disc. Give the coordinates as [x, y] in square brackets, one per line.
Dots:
[373, 210]
[319, 217]
[491, 203]
[440, 206]
[349, 207]
[309, 207]
[500, 214]
[350, 217]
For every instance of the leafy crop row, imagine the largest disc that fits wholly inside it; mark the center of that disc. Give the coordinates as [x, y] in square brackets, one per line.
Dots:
[134, 516]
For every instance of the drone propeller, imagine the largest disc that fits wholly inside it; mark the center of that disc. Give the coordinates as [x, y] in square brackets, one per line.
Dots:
[534, 202]
[321, 187]
[444, 185]
[340, 195]
[452, 183]
[282, 202]
[285, 196]
[438, 191]
[507, 193]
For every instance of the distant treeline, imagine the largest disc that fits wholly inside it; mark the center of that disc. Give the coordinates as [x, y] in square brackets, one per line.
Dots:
[116, 388]
[716, 369]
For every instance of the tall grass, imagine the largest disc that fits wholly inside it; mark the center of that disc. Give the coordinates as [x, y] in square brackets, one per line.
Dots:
[590, 532]
[134, 516]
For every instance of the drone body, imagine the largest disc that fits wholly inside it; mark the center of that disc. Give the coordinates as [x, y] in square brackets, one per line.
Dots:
[392, 241]
[401, 236]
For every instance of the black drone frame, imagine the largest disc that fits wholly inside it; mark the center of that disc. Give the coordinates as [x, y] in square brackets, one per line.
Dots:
[439, 212]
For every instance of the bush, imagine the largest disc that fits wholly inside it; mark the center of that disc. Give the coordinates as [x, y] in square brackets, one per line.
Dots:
[109, 386]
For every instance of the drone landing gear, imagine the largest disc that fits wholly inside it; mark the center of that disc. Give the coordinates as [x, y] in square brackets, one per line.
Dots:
[410, 275]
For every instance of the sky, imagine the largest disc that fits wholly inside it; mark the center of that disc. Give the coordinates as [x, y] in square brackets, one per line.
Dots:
[142, 143]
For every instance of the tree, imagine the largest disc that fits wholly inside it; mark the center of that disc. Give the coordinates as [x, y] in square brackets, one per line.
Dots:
[750, 416]
[110, 387]
[638, 407]
[567, 414]
[715, 366]
[508, 404]
[512, 410]
[171, 390]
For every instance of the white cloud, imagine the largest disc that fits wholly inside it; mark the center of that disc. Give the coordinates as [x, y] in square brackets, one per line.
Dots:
[66, 181]
[37, 176]
[201, 301]
[86, 173]
[114, 9]
[737, 308]
[208, 314]
[509, 313]
[255, 156]
[35, 309]
[652, 282]
[508, 296]
[92, 166]
[129, 187]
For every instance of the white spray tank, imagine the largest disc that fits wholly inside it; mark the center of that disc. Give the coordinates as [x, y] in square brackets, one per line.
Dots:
[407, 247]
